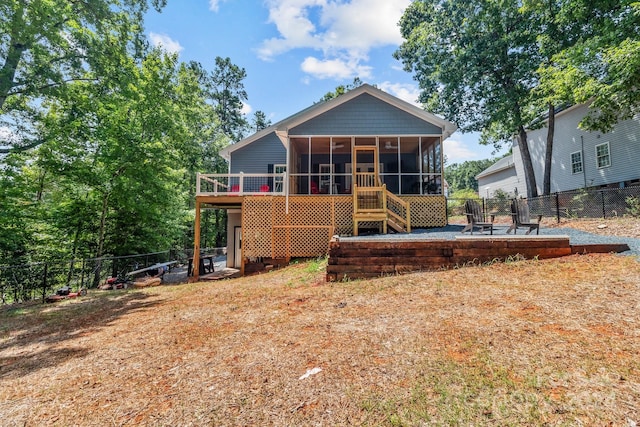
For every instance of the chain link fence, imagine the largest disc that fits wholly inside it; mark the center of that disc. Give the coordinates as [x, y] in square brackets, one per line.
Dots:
[601, 203]
[27, 282]
[495, 206]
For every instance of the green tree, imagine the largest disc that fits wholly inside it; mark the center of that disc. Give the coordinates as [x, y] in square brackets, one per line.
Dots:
[15, 210]
[342, 89]
[561, 25]
[475, 62]
[227, 92]
[45, 45]
[260, 121]
[554, 34]
[603, 66]
[461, 176]
[115, 150]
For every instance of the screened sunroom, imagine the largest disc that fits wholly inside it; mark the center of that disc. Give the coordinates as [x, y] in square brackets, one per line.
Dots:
[408, 165]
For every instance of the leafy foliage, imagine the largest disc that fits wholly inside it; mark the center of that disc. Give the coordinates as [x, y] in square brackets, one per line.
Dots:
[260, 121]
[633, 206]
[227, 91]
[46, 45]
[341, 90]
[602, 67]
[463, 176]
[116, 141]
[475, 62]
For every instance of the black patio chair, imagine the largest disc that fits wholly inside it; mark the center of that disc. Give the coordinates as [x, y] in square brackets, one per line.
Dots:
[476, 217]
[520, 217]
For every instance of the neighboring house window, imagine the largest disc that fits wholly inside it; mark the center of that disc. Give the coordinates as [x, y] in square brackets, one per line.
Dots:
[603, 157]
[576, 162]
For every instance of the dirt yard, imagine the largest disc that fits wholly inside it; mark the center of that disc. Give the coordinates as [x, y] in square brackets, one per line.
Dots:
[554, 342]
[623, 227]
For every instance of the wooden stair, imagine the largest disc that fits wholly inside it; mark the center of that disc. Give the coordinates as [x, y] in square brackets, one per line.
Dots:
[376, 204]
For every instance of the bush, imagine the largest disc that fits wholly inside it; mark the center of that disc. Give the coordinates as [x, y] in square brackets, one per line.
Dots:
[633, 206]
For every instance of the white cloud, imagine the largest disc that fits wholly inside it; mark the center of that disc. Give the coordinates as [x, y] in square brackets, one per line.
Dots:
[335, 68]
[166, 42]
[363, 24]
[405, 91]
[246, 109]
[340, 29]
[214, 5]
[456, 150]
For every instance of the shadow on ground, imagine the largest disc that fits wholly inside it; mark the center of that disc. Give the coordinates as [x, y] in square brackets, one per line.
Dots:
[36, 337]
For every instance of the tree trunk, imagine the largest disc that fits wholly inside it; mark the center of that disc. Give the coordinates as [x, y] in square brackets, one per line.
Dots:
[101, 234]
[529, 175]
[546, 185]
[15, 49]
[74, 251]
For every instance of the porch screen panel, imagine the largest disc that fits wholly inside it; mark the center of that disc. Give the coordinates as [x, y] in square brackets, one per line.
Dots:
[321, 169]
[390, 160]
[341, 160]
[431, 165]
[410, 165]
[365, 140]
[299, 164]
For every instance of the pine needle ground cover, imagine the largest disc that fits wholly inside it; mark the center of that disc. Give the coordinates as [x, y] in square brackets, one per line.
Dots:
[552, 342]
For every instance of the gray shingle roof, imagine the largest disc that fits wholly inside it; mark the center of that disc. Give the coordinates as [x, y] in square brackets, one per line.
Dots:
[502, 164]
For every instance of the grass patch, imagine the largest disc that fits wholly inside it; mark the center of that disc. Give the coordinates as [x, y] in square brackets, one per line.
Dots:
[449, 392]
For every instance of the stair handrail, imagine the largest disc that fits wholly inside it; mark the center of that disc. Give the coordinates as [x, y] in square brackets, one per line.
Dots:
[404, 221]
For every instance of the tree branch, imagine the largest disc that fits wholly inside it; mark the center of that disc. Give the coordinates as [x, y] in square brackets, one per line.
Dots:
[50, 85]
[21, 148]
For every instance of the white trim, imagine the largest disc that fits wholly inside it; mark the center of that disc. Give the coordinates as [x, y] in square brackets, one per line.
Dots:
[563, 112]
[608, 155]
[279, 176]
[581, 162]
[447, 127]
[281, 128]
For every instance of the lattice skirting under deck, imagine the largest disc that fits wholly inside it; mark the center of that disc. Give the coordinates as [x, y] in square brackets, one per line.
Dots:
[269, 232]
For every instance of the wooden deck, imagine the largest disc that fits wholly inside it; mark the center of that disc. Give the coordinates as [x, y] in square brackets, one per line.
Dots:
[354, 258]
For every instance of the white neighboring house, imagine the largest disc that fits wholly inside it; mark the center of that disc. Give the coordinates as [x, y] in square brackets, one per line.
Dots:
[501, 176]
[581, 159]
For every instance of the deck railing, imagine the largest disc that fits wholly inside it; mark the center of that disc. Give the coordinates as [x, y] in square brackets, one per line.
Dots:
[241, 184]
[367, 179]
[398, 211]
[379, 204]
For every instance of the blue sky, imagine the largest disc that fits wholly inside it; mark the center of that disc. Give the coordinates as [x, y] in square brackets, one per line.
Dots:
[295, 51]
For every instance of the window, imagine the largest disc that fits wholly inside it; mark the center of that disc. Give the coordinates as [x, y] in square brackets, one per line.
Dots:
[603, 159]
[576, 162]
[278, 181]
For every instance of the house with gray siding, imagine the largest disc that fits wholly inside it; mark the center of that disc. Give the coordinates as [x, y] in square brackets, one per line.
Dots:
[500, 177]
[363, 160]
[581, 159]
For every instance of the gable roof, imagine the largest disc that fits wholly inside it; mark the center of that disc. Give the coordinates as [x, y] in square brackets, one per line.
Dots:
[503, 164]
[282, 127]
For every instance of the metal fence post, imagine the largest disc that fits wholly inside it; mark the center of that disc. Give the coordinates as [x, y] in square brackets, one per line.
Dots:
[484, 209]
[604, 211]
[84, 265]
[558, 207]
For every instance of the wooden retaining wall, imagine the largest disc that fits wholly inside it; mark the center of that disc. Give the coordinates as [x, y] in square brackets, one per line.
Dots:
[364, 258]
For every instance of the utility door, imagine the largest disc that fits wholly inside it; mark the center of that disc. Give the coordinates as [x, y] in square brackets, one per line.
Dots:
[237, 250]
